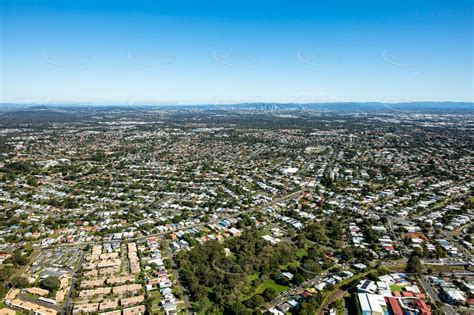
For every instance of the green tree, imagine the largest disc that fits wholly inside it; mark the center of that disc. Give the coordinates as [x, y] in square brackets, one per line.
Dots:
[414, 264]
[255, 301]
[20, 282]
[298, 278]
[19, 259]
[51, 283]
[269, 294]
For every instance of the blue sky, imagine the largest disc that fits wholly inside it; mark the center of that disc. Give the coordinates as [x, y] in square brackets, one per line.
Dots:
[182, 52]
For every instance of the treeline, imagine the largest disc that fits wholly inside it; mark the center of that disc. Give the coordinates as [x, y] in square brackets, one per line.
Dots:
[216, 278]
[327, 232]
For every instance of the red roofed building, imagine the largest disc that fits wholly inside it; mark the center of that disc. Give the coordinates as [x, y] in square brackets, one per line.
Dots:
[421, 296]
[330, 256]
[388, 247]
[412, 304]
[421, 306]
[306, 294]
[394, 305]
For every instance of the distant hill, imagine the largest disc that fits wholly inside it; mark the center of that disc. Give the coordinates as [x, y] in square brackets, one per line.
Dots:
[339, 106]
[355, 106]
[38, 107]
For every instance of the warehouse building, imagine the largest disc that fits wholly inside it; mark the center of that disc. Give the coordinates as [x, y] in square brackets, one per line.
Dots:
[372, 304]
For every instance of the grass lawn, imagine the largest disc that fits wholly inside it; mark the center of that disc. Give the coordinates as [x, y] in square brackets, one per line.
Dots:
[270, 284]
[31, 296]
[154, 294]
[294, 264]
[252, 277]
[22, 269]
[395, 288]
[249, 283]
[315, 150]
[205, 230]
[157, 310]
[301, 253]
[376, 186]
[206, 307]
[2, 305]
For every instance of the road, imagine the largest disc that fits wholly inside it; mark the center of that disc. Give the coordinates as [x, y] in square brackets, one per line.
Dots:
[297, 290]
[310, 283]
[396, 265]
[24, 269]
[291, 292]
[68, 299]
[200, 224]
[445, 308]
[334, 296]
[125, 264]
[461, 249]
[184, 297]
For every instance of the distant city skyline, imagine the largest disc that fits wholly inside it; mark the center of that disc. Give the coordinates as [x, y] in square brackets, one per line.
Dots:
[225, 52]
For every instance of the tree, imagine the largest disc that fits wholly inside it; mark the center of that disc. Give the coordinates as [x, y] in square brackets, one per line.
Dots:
[70, 203]
[51, 283]
[309, 265]
[298, 278]
[19, 259]
[347, 253]
[269, 294]
[177, 219]
[206, 269]
[414, 264]
[418, 252]
[237, 308]
[32, 181]
[255, 301]
[311, 305]
[20, 282]
[258, 300]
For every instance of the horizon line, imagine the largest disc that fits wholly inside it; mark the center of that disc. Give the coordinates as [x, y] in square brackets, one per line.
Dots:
[67, 103]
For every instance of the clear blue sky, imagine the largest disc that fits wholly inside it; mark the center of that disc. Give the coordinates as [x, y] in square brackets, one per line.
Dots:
[235, 51]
